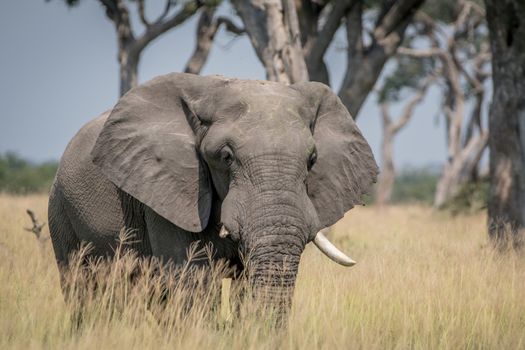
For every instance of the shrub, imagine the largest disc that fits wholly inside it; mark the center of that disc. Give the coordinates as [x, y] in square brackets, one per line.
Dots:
[415, 185]
[21, 176]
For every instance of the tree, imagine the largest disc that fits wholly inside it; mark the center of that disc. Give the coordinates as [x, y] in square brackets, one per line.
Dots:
[368, 47]
[365, 62]
[506, 23]
[273, 28]
[131, 45]
[409, 75]
[207, 28]
[463, 55]
[291, 39]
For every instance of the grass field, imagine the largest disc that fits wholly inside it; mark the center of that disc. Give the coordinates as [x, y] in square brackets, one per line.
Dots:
[423, 280]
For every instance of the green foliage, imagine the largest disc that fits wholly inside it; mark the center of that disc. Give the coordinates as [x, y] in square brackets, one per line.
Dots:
[415, 185]
[442, 10]
[445, 10]
[471, 198]
[409, 73]
[20, 176]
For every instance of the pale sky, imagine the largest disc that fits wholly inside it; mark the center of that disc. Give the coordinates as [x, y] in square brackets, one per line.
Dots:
[58, 69]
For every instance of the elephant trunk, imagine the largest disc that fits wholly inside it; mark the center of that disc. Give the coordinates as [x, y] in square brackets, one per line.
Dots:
[273, 284]
[277, 237]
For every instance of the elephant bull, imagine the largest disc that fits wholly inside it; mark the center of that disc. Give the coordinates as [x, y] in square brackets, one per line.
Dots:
[247, 166]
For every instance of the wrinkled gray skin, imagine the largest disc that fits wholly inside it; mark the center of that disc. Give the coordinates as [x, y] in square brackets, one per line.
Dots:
[182, 155]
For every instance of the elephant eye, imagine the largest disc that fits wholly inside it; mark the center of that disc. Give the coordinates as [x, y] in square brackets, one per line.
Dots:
[312, 159]
[226, 155]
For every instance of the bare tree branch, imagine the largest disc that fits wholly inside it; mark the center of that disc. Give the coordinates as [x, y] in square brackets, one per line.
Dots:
[230, 26]
[408, 109]
[167, 8]
[354, 32]
[207, 28]
[37, 226]
[390, 129]
[118, 12]
[463, 154]
[362, 72]
[419, 53]
[393, 15]
[273, 32]
[297, 69]
[111, 9]
[160, 27]
[320, 44]
[142, 14]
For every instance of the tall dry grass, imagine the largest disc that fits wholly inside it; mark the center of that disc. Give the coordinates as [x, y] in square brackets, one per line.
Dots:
[423, 280]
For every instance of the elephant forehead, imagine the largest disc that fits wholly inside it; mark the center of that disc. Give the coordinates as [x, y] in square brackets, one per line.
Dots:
[261, 115]
[272, 134]
[260, 96]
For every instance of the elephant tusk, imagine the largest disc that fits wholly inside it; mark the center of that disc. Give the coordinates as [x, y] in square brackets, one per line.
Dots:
[223, 233]
[331, 250]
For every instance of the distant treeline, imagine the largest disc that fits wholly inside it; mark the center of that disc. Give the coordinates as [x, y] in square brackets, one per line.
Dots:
[20, 176]
[415, 185]
[418, 185]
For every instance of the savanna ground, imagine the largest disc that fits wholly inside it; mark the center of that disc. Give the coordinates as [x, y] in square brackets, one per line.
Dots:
[424, 280]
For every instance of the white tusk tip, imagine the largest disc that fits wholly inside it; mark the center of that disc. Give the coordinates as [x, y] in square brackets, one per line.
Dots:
[348, 262]
[223, 233]
[331, 251]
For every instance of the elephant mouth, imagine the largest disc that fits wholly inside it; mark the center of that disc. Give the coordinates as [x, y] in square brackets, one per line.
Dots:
[320, 241]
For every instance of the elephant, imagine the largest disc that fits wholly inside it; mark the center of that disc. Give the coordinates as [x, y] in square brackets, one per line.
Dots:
[246, 166]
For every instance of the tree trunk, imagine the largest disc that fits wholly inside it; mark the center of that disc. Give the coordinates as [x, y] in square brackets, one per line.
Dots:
[129, 46]
[206, 31]
[316, 40]
[365, 64]
[463, 153]
[390, 130]
[387, 176]
[273, 28]
[506, 21]
[207, 28]
[458, 170]
[128, 71]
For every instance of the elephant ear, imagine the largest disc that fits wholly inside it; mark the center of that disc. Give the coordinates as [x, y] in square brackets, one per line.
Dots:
[345, 169]
[147, 148]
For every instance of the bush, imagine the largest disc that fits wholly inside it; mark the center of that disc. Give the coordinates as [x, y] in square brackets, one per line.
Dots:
[415, 185]
[20, 176]
[471, 197]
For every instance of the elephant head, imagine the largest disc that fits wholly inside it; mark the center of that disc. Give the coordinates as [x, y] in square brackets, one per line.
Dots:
[282, 162]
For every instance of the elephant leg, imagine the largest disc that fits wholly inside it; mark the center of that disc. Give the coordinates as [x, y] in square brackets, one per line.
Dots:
[65, 245]
[188, 257]
[65, 241]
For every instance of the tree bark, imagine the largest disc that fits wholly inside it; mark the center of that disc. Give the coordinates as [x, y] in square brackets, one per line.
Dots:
[387, 177]
[317, 39]
[131, 47]
[207, 28]
[459, 169]
[128, 68]
[273, 28]
[463, 155]
[385, 183]
[365, 64]
[506, 21]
